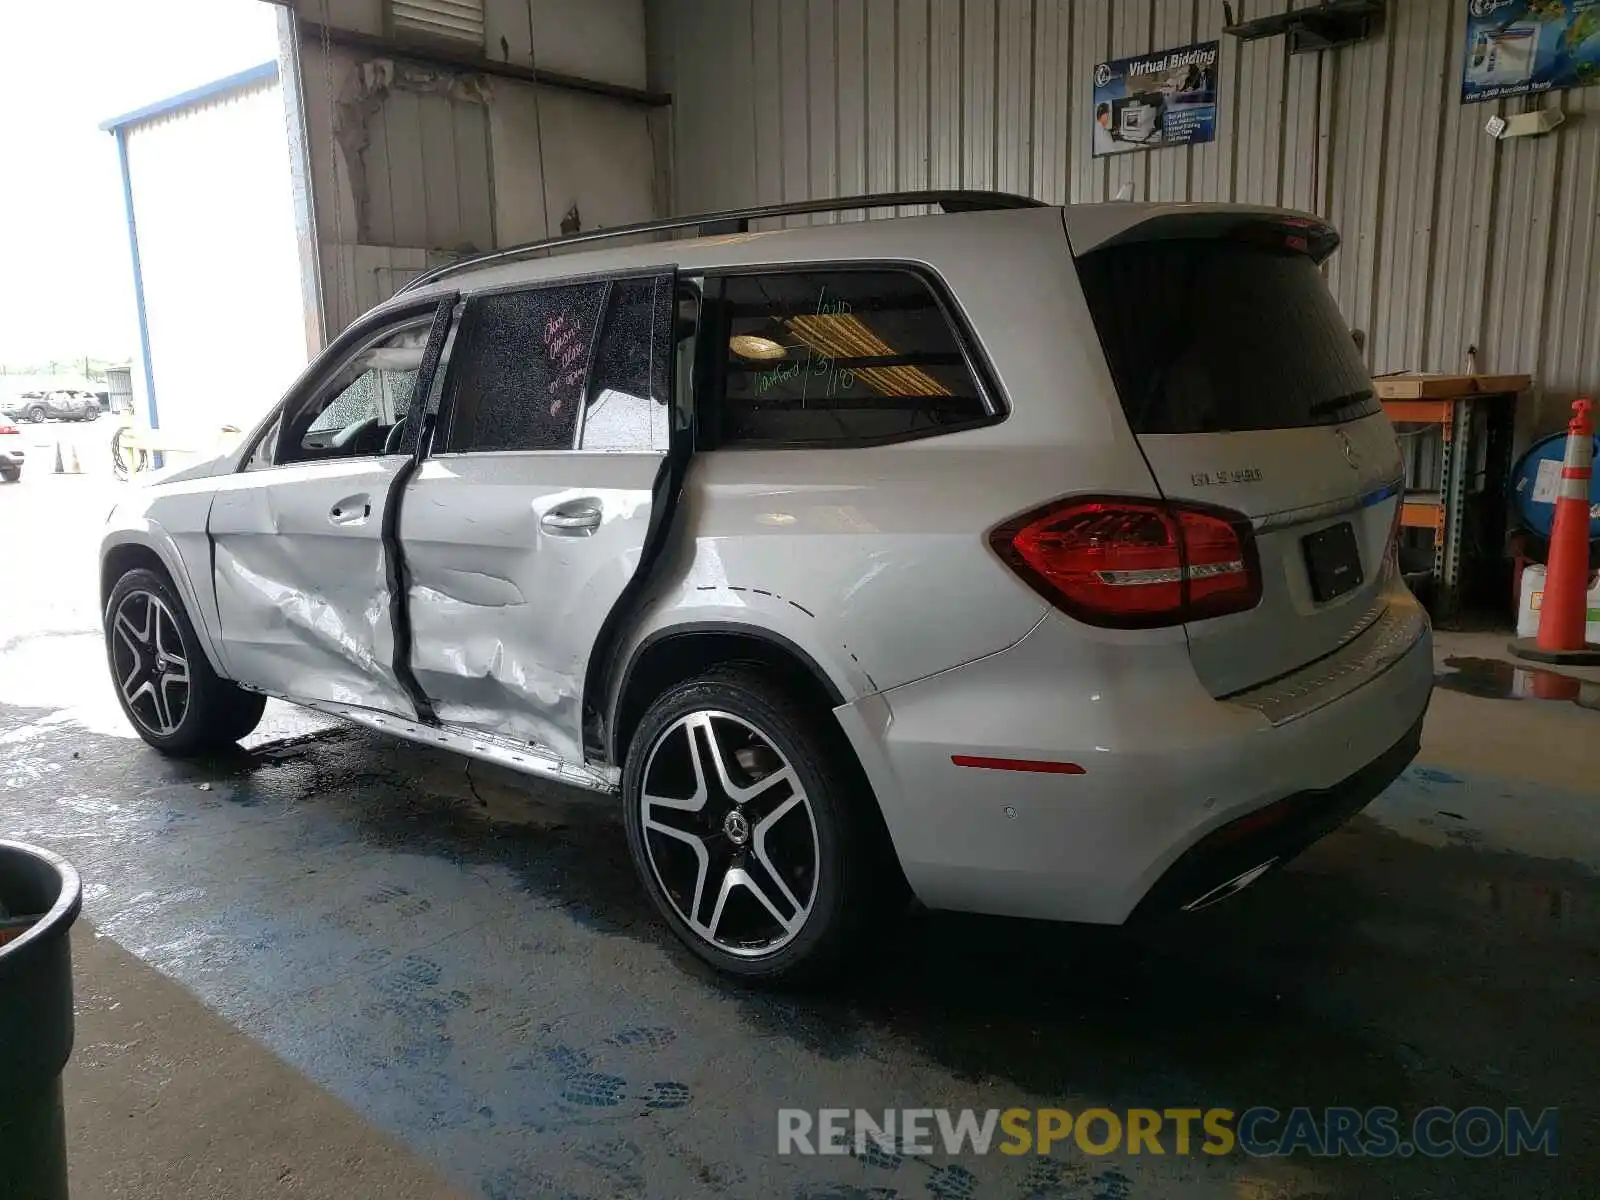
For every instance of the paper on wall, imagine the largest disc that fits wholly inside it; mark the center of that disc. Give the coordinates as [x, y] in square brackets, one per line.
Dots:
[1547, 485]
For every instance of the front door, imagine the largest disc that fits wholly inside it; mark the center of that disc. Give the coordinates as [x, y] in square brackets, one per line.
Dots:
[530, 514]
[302, 576]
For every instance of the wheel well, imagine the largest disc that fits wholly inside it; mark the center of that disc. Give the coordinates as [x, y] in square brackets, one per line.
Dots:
[675, 655]
[130, 556]
[669, 658]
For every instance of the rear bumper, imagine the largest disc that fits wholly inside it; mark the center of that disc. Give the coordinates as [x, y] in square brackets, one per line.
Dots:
[11, 458]
[1228, 859]
[1164, 766]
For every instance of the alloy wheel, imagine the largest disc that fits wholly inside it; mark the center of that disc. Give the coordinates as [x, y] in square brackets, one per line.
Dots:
[151, 665]
[729, 833]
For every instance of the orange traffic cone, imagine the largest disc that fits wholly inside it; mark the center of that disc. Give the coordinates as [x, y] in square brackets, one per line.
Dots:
[1566, 584]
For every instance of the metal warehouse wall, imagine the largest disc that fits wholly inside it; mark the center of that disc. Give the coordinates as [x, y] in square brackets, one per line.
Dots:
[413, 162]
[216, 232]
[1451, 239]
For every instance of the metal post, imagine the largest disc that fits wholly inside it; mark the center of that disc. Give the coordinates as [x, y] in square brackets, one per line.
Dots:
[1440, 522]
[292, 87]
[1453, 497]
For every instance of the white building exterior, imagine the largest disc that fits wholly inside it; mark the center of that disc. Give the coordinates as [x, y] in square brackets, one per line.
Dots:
[222, 321]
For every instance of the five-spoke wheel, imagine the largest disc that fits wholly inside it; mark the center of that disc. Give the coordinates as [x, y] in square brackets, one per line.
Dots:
[148, 661]
[729, 833]
[744, 823]
[164, 681]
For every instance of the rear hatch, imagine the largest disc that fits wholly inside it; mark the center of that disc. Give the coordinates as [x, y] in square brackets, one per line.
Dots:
[1245, 389]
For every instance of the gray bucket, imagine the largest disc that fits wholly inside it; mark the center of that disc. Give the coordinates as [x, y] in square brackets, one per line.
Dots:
[39, 899]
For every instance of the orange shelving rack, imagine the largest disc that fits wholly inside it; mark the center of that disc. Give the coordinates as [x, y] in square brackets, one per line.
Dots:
[1456, 431]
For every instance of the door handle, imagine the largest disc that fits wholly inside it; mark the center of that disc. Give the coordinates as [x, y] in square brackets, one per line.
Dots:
[352, 510]
[578, 518]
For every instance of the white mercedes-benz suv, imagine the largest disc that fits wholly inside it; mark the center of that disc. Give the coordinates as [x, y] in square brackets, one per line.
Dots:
[1038, 560]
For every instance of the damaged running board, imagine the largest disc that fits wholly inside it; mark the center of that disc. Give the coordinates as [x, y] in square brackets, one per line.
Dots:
[474, 743]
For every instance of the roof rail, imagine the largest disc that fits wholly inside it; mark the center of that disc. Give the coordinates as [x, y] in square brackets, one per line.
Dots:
[736, 220]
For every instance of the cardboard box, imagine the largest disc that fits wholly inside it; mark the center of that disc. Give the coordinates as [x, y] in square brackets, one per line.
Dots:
[1414, 385]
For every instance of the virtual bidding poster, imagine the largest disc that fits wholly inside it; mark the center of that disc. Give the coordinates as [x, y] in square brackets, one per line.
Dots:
[1168, 98]
[1517, 47]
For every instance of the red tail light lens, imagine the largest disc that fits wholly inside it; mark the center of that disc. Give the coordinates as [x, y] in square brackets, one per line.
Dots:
[1132, 563]
[11, 429]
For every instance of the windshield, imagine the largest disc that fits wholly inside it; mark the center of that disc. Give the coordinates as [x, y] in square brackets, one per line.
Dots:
[1210, 335]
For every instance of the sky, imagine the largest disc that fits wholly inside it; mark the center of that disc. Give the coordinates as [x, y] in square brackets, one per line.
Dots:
[66, 279]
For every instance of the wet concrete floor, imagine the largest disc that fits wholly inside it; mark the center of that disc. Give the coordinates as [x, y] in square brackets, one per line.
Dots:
[1503, 679]
[463, 958]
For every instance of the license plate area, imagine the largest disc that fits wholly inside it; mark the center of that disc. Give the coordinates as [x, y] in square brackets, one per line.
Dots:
[1333, 561]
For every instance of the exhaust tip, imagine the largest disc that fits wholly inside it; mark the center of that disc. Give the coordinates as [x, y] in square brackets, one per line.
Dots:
[1232, 887]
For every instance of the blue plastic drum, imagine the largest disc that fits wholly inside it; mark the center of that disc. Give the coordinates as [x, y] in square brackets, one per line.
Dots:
[1535, 483]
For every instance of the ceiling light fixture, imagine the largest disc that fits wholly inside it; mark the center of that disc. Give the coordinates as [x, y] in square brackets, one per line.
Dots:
[747, 345]
[843, 336]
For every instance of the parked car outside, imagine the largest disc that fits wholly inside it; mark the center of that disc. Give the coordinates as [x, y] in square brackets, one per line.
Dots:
[1037, 561]
[15, 407]
[13, 453]
[60, 405]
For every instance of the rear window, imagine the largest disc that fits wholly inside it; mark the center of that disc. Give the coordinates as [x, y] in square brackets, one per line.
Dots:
[1217, 336]
[840, 358]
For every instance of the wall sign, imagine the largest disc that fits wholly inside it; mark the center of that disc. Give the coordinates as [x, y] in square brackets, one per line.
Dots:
[1518, 47]
[1168, 98]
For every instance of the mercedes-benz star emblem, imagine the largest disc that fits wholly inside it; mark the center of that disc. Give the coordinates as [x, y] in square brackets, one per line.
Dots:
[737, 827]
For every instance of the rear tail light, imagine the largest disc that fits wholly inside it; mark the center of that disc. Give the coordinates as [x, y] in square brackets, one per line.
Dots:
[1134, 563]
[11, 429]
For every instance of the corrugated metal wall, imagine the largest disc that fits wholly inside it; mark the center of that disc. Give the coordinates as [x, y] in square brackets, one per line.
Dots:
[413, 164]
[404, 202]
[1451, 239]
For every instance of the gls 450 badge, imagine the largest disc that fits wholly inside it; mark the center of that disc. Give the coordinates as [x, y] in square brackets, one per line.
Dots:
[1225, 476]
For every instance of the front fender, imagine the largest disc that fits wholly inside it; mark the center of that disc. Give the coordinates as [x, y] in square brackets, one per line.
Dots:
[186, 555]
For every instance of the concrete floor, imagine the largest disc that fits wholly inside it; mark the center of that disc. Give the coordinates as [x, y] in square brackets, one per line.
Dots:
[166, 1098]
[334, 963]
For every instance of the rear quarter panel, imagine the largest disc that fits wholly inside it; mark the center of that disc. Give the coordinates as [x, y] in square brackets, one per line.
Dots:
[875, 560]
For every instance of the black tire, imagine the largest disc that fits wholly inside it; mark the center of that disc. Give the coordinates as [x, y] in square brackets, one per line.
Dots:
[216, 712]
[754, 702]
[37, 414]
[11, 475]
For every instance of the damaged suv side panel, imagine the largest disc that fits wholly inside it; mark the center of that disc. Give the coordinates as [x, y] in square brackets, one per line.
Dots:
[305, 602]
[529, 518]
[505, 603]
[303, 560]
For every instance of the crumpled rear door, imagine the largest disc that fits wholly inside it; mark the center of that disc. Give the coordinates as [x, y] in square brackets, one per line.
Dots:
[530, 517]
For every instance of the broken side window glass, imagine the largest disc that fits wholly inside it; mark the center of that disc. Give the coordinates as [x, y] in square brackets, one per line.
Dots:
[521, 368]
[627, 403]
